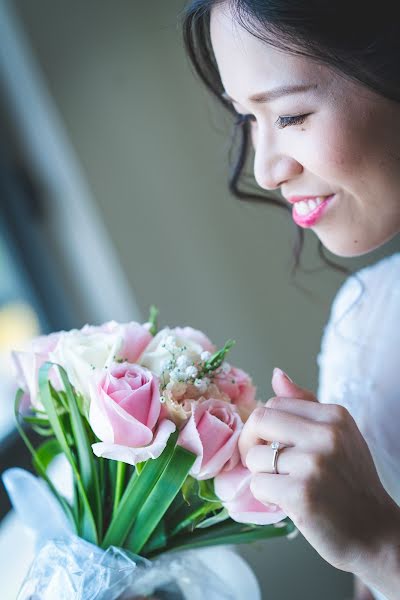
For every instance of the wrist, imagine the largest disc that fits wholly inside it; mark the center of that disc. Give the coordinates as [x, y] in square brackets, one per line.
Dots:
[381, 569]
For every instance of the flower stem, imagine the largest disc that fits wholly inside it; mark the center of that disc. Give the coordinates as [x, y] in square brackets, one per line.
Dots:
[119, 484]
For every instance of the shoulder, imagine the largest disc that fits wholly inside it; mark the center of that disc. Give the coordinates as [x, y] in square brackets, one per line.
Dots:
[364, 315]
[369, 285]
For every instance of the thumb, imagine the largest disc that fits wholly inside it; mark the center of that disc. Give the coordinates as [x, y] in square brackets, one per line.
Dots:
[284, 386]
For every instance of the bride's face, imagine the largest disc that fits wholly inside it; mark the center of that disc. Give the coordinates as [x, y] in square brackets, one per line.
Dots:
[345, 141]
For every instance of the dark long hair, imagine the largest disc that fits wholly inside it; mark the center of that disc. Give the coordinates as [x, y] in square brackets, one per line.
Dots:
[360, 40]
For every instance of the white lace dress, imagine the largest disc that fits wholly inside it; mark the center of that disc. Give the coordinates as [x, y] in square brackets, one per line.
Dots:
[359, 363]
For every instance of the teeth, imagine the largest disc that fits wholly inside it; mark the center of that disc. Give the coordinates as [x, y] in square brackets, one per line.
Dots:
[306, 206]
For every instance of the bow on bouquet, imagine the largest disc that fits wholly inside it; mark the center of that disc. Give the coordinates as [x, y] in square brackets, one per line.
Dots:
[149, 423]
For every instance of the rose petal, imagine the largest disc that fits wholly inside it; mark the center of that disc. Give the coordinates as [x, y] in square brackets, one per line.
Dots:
[133, 456]
[127, 429]
[191, 437]
[214, 434]
[233, 489]
[135, 340]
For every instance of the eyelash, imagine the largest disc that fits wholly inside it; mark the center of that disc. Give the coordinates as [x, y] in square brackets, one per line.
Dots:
[281, 122]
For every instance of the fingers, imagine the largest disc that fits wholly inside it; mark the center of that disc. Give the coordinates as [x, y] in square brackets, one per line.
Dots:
[283, 386]
[308, 409]
[275, 489]
[290, 461]
[294, 417]
[259, 460]
[267, 424]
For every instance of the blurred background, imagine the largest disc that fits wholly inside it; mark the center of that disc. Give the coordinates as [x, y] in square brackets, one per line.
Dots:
[113, 166]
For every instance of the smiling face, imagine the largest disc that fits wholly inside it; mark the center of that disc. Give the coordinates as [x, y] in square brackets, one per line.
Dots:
[344, 142]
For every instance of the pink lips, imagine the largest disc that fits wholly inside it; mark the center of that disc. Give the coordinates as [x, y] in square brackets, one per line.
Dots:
[314, 216]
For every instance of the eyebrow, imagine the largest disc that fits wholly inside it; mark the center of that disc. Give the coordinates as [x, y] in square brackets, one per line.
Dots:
[278, 92]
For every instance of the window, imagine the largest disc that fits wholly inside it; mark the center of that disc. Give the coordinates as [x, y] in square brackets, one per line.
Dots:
[29, 303]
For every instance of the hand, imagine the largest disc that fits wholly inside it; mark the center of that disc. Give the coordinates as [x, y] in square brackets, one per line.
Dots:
[326, 482]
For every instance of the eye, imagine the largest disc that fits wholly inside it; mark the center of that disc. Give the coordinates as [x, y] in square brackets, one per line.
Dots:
[283, 122]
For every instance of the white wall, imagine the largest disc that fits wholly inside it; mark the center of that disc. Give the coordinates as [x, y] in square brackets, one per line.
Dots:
[152, 147]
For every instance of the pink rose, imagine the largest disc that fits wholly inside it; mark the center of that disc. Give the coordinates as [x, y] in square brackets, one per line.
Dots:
[196, 336]
[233, 489]
[28, 362]
[133, 337]
[212, 433]
[80, 351]
[238, 386]
[124, 413]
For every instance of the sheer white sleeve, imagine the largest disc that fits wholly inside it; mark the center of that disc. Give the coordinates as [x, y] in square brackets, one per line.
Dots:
[359, 362]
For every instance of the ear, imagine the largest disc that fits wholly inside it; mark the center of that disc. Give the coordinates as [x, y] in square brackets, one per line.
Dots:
[285, 387]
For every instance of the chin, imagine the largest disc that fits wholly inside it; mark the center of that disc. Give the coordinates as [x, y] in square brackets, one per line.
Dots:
[350, 249]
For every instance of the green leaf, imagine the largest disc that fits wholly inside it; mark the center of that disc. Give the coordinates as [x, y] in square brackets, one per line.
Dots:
[189, 489]
[206, 491]
[43, 431]
[160, 498]
[190, 520]
[47, 452]
[87, 466]
[230, 532]
[218, 358]
[35, 420]
[153, 319]
[157, 540]
[139, 467]
[88, 526]
[188, 507]
[119, 484]
[135, 495]
[222, 515]
[41, 467]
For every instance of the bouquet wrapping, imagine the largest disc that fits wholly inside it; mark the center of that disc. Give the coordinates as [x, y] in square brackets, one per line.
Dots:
[148, 423]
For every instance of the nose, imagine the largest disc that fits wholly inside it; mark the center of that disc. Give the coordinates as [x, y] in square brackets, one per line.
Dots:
[272, 168]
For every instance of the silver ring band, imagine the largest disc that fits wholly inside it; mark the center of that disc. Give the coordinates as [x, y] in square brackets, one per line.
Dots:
[276, 446]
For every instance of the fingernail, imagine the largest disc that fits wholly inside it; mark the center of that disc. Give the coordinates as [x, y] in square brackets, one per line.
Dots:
[278, 371]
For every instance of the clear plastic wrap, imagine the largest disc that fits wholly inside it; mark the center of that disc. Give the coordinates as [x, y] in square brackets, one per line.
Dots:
[73, 569]
[67, 567]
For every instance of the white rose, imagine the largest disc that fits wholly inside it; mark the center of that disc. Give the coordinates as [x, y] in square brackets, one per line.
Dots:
[164, 345]
[82, 351]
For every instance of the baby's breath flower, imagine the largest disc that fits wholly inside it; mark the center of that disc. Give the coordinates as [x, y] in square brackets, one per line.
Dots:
[177, 375]
[167, 365]
[182, 362]
[205, 355]
[225, 367]
[201, 384]
[191, 372]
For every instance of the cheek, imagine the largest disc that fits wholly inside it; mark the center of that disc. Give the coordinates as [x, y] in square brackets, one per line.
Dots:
[334, 153]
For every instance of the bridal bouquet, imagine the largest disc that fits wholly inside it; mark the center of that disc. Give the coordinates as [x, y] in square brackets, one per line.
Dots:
[149, 423]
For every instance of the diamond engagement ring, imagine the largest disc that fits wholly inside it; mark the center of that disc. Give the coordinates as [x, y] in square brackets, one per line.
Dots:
[276, 446]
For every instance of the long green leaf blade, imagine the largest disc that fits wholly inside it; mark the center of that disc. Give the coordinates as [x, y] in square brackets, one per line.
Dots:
[160, 498]
[39, 466]
[135, 495]
[88, 526]
[46, 452]
[230, 533]
[87, 466]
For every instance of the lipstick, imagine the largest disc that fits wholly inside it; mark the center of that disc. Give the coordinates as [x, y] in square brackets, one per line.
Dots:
[313, 216]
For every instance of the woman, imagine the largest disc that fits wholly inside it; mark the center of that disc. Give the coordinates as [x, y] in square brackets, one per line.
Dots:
[316, 90]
